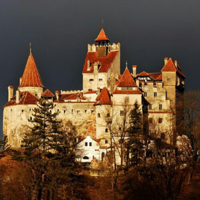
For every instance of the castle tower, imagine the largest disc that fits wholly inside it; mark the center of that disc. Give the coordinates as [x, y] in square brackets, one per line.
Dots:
[31, 80]
[102, 64]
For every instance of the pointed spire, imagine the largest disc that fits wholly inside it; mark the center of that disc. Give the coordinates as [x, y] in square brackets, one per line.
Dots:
[102, 25]
[31, 76]
[127, 80]
[102, 35]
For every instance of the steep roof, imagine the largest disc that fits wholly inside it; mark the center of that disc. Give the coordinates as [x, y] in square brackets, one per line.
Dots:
[105, 62]
[47, 93]
[127, 80]
[31, 76]
[25, 98]
[170, 66]
[103, 98]
[102, 36]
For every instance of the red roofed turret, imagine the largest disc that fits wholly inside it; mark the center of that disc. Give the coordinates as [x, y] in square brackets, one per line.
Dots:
[31, 76]
[102, 36]
[127, 80]
[47, 93]
[103, 98]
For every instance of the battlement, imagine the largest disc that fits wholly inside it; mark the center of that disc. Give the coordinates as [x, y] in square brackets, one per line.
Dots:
[111, 47]
[70, 91]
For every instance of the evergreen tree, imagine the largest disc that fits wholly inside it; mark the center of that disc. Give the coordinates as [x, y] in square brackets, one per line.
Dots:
[135, 135]
[48, 150]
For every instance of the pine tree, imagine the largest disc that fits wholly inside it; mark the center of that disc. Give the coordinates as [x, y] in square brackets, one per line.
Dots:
[135, 135]
[48, 150]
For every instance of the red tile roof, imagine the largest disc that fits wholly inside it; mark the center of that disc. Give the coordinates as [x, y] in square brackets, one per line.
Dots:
[25, 98]
[154, 75]
[159, 77]
[105, 62]
[75, 96]
[31, 76]
[103, 98]
[143, 74]
[137, 91]
[47, 93]
[102, 36]
[127, 80]
[170, 66]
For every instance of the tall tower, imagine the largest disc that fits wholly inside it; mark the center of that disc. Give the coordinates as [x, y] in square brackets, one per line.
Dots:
[102, 64]
[31, 81]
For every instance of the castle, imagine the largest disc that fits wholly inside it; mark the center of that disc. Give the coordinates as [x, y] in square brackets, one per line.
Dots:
[106, 94]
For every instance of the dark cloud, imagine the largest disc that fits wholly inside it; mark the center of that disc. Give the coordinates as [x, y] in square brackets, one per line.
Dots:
[60, 31]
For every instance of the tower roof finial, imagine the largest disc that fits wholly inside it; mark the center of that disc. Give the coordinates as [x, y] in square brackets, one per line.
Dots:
[102, 23]
[126, 64]
[30, 46]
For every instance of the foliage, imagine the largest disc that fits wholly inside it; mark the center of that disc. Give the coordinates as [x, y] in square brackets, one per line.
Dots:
[135, 135]
[48, 150]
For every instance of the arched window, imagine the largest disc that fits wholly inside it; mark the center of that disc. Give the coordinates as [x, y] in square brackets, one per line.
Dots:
[85, 157]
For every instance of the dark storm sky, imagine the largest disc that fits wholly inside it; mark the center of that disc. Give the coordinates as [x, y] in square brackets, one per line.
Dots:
[60, 30]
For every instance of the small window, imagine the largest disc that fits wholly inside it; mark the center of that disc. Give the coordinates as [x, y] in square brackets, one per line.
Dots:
[120, 128]
[99, 115]
[57, 110]
[22, 110]
[85, 111]
[106, 130]
[36, 94]
[140, 84]
[126, 99]
[86, 144]
[90, 143]
[31, 118]
[100, 79]
[155, 94]
[154, 84]
[145, 94]
[121, 113]
[72, 110]
[86, 157]
[108, 114]
[145, 83]
[89, 89]
[91, 79]
[159, 120]
[106, 141]
[78, 111]
[29, 109]
[150, 107]
[150, 120]
[64, 111]
[160, 106]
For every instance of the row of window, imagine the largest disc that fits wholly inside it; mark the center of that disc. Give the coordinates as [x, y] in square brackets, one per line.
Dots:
[155, 94]
[100, 79]
[159, 106]
[99, 115]
[146, 83]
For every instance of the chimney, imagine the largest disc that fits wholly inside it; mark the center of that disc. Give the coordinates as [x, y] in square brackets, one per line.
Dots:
[134, 67]
[176, 63]
[10, 92]
[57, 95]
[165, 60]
[17, 96]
